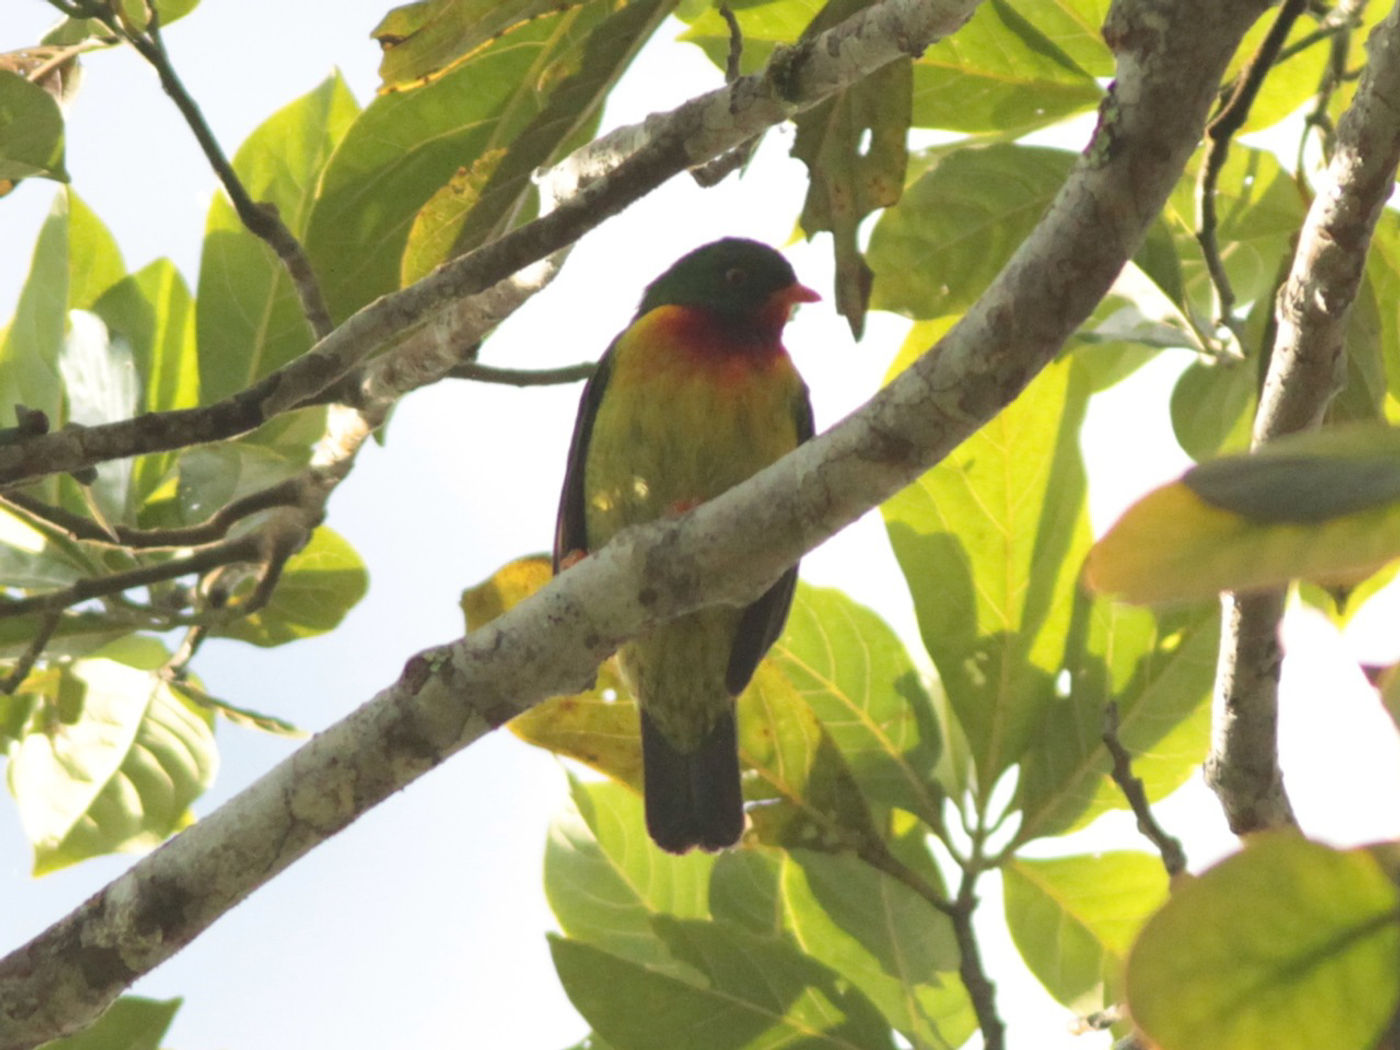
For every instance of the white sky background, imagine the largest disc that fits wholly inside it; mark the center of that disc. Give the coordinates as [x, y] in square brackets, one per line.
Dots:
[422, 925]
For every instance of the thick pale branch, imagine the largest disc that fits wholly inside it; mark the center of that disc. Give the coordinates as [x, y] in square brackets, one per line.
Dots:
[594, 183]
[1169, 59]
[1306, 369]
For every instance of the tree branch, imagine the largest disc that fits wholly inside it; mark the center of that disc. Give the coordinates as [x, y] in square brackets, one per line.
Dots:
[1306, 369]
[1219, 133]
[594, 183]
[1169, 59]
[1168, 846]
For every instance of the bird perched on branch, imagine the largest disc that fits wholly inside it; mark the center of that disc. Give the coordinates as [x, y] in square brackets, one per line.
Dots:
[693, 397]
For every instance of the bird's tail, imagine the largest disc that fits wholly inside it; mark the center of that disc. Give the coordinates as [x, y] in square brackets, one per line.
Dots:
[693, 798]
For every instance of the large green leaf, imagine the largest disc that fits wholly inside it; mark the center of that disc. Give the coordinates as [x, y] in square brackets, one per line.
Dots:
[1158, 670]
[591, 50]
[1287, 944]
[606, 882]
[1011, 69]
[885, 939]
[31, 130]
[249, 318]
[407, 145]
[855, 146]
[749, 991]
[1002, 73]
[854, 673]
[990, 543]
[130, 1023]
[936, 251]
[112, 760]
[1074, 918]
[319, 585]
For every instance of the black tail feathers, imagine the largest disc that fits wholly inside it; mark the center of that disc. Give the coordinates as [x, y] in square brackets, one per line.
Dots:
[693, 798]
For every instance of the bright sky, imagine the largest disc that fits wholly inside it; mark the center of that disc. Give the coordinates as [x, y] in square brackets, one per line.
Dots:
[423, 923]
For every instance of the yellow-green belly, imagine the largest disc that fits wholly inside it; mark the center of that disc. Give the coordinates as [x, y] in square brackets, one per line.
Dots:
[672, 431]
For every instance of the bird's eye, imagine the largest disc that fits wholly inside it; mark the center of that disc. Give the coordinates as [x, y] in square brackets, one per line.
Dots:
[735, 276]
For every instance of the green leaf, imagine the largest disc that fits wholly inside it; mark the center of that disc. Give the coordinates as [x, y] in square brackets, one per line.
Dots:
[854, 673]
[529, 85]
[29, 356]
[151, 312]
[31, 131]
[1158, 669]
[606, 882]
[120, 774]
[811, 798]
[1074, 918]
[889, 942]
[855, 147]
[1213, 406]
[211, 476]
[319, 585]
[75, 260]
[484, 200]
[94, 260]
[751, 991]
[421, 40]
[1003, 73]
[130, 1023]
[248, 316]
[1287, 944]
[990, 542]
[1323, 506]
[937, 250]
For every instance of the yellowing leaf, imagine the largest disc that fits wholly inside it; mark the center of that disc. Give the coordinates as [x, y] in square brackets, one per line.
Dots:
[1288, 945]
[1323, 507]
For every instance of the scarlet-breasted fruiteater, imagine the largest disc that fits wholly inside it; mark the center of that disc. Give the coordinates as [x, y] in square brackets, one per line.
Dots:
[694, 396]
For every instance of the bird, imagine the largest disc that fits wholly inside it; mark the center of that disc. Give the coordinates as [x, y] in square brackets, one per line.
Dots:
[695, 395]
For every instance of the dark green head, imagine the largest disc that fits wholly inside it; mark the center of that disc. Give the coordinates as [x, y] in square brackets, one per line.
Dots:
[733, 278]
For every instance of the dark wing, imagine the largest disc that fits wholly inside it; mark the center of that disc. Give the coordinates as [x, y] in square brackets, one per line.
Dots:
[763, 620]
[571, 527]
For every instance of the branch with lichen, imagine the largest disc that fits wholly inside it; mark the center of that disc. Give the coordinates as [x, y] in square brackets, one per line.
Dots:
[1306, 369]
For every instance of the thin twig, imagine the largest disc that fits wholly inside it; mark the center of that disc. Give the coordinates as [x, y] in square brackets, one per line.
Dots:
[1219, 132]
[242, 548]
[31, 654]
[980, 989]
[716, 171]
[210, 530]
[480, 373]
[1173, 856]
[262, 220]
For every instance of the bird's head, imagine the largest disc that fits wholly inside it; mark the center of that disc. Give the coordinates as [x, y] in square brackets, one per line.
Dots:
[741, 283]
